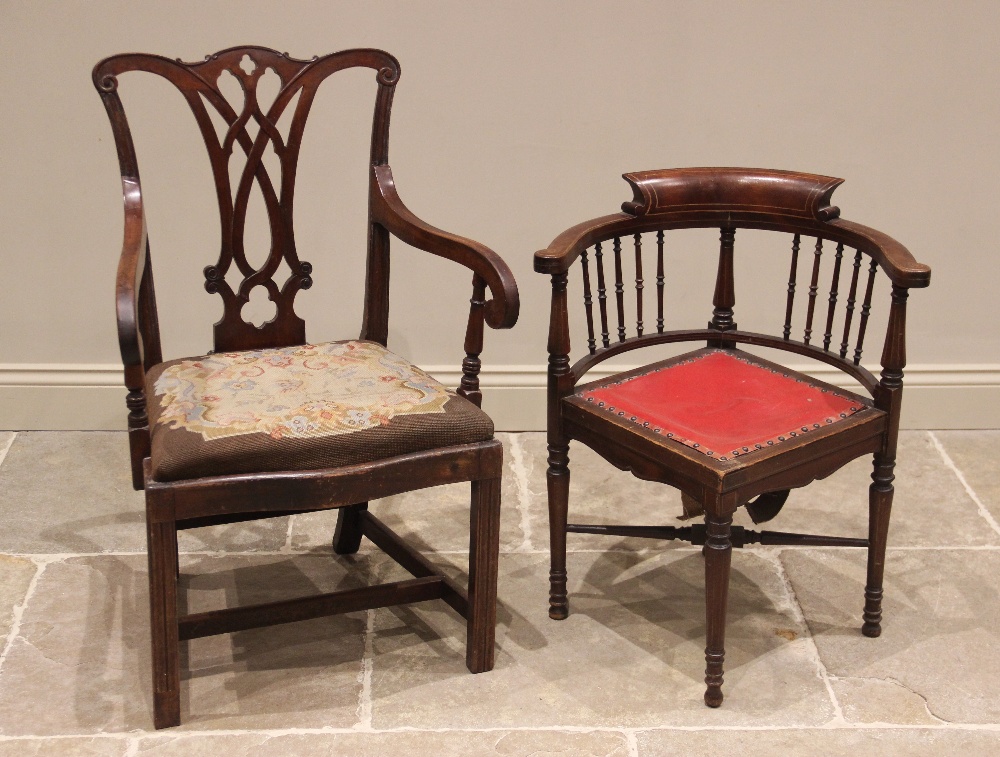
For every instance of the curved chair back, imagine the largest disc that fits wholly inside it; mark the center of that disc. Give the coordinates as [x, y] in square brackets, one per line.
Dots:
[835, 316]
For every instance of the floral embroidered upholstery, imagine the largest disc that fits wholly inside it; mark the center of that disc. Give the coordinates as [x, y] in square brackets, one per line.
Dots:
[299, 408]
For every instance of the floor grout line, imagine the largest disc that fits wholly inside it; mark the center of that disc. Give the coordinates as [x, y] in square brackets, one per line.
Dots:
[18, 611]
[365, 701]
[287, 546]
[631, 742]
[521, 477]
[986, 514]
[7, 446]
[333, 731]
[800, 618]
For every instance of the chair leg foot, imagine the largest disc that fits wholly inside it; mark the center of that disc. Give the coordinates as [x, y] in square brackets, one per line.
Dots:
[718, 559]
[166, 709]
[713, 694]
[558, 602]
[557, 479]
[164, 633]
[347, 536]
[484, 556]
[872, 615]
[879, 507]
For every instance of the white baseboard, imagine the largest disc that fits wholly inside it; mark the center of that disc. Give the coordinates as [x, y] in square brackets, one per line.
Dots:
[79, 396]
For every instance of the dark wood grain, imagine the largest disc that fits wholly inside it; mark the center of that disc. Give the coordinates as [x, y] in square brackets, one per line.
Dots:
[724, 299]
[234, 619]
[471, 365]
[253, 129]
[813, 289]
[786, 203]
[660, 281]
[588, 303]
[619, 288]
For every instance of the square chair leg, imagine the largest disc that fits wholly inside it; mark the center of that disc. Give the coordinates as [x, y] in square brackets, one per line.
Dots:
[164, 632]
[484, 555]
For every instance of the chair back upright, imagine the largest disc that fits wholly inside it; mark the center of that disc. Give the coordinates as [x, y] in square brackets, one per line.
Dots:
[277, 126]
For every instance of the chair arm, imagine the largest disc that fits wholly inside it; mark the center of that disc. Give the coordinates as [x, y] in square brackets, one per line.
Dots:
[897, 262]
[566, 248]
[131, 267]
[388, 210]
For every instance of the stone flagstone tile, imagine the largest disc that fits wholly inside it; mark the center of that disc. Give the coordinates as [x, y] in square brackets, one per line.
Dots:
[975, 454]
[84, 642]
[876, 700]
[80, 662]
[71, 492]
[837, 506]
[940, 629]
[432, 744]
[631, 654]
[434, 519]
[69, 747]
[15, 577]
[927, 496]
[910, 742]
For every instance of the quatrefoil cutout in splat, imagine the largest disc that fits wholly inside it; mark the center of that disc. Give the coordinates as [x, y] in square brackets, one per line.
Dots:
[253, 163]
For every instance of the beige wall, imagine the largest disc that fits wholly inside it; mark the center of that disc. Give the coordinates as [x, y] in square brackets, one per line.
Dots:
[511, 122]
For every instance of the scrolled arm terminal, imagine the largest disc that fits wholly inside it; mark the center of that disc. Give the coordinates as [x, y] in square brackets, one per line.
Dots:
[389, 211]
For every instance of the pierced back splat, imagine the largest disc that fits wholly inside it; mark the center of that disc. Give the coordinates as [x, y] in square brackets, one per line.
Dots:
[238, 149]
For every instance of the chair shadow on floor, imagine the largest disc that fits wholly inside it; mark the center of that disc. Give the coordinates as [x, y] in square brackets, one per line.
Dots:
[306, 653]
[311, 649]
[911, 601]
[656, 601]
[110, 668]
[243, 537]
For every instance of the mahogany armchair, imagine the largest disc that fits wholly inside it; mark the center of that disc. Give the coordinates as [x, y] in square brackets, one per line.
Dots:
[269, 424]
[727, 428]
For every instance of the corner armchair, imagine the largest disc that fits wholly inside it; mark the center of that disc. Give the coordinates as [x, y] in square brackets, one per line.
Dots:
[727, 428]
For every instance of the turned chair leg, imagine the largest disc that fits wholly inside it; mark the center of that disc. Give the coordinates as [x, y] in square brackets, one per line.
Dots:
[718, 557]
[557, 479]
[879, 508]
[484, 555]
[347, 536]
[162, 556]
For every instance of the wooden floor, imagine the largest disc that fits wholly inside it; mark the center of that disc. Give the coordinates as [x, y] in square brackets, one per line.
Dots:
[621, 676]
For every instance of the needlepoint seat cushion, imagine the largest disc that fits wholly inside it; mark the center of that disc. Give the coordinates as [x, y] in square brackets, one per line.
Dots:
[724, 404]
[305, 407]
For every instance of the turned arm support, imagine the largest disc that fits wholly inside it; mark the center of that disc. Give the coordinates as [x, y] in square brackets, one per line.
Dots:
[388, 210]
